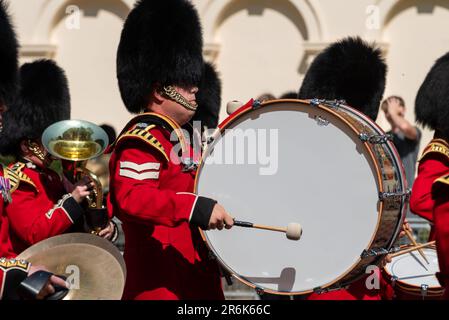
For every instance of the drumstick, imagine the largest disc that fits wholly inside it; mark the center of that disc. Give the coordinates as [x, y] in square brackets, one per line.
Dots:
[412, 239]
[413, 249]
[293, 230]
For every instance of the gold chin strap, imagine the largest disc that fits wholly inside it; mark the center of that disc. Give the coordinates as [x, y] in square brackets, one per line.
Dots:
[36, 150]
[174, 95]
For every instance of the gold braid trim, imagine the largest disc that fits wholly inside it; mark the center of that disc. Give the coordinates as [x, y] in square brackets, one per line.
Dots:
[16, 170]
[146, 136]
[436, 146]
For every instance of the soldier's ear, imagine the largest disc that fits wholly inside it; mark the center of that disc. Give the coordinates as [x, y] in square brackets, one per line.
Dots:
[24, 147]
[158, 96]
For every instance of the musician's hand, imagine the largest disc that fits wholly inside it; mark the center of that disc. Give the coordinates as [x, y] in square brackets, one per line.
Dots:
[107, 232]
[49, 288]
[220, 219]
[81, 191]
[406, 226]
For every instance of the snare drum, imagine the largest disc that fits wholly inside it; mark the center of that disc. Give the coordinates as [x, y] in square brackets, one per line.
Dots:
[321, 164]
[412, 278]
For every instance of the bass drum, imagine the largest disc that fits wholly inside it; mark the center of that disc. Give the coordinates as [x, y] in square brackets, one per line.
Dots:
[321, 164]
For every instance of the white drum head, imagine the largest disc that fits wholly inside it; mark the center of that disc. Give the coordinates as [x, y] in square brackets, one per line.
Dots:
[412, 269]
[324, 181]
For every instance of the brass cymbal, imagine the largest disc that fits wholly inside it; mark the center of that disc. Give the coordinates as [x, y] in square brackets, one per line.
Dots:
[95, 267]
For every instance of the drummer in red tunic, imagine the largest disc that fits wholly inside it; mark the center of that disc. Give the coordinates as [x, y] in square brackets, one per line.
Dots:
[431, 195]
[353, 71]
[159, 67]
[430, 109]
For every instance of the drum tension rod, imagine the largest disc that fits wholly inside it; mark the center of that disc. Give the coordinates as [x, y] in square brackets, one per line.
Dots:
[319, 290]
[260, 291]
[256, 104]
[376, 139]
[376, 252]
[335, 104]
[394, 195]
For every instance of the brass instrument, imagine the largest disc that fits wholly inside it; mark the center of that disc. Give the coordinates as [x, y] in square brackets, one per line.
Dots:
[76, 142]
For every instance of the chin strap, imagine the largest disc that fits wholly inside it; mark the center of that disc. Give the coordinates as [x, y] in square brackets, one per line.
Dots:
[36, 150]
[171, 93]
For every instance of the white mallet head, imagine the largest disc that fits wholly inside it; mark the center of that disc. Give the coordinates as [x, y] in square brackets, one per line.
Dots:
[294, 231]
[232, 106]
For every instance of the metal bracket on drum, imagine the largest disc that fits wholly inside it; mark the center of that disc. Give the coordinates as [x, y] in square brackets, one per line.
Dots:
[256, 104]
[322, 122]
[375, 139]
[260, 291]
[320, 290]
[395, 195]
[376, 252]
[335, 104]
[424, 290]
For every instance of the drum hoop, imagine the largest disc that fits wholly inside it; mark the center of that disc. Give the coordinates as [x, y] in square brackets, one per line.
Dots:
[407, 286]
[244, 110]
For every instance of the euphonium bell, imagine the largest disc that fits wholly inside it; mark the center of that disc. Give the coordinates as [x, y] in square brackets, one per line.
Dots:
[76, 142]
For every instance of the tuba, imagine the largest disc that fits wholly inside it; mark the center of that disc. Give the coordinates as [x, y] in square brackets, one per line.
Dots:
[75, 142]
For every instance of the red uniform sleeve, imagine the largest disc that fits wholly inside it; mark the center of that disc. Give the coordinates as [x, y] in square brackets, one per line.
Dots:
[432, 167]
[33, 217]
[137, 192]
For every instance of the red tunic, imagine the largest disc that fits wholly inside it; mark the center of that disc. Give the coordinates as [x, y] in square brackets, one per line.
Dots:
[441, 225]
[40, 209]
[433, 164]
[5, 243]
[165, 255]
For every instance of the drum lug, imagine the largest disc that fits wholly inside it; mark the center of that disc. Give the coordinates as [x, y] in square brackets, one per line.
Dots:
[376, 252]
[322, 122]
[256, 104]
[319, 290]
[424, 290]
[375, 139]
[393, 281]
[395, 195]
[260, 291]
[334, 104]
[211, 256]
[316, 102]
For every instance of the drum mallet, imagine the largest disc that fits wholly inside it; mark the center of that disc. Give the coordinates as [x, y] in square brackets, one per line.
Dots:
[293, 230]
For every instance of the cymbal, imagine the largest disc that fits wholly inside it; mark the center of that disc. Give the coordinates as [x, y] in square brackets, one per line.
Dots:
[95, 267]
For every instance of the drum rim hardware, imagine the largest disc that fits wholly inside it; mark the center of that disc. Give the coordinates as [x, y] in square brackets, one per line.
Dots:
[395, 195]
[376, 139]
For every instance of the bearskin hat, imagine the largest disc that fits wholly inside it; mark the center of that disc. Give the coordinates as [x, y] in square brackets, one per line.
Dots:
[208, 98]
[8, 57]
[161, 44]
[432, 100]
[43, 99]
[350, 70]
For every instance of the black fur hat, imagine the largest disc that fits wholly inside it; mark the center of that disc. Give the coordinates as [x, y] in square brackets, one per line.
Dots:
[432, 100]
[208, 98]
[161, 44]
[350, 70]
[42, 100]
[8, 57]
